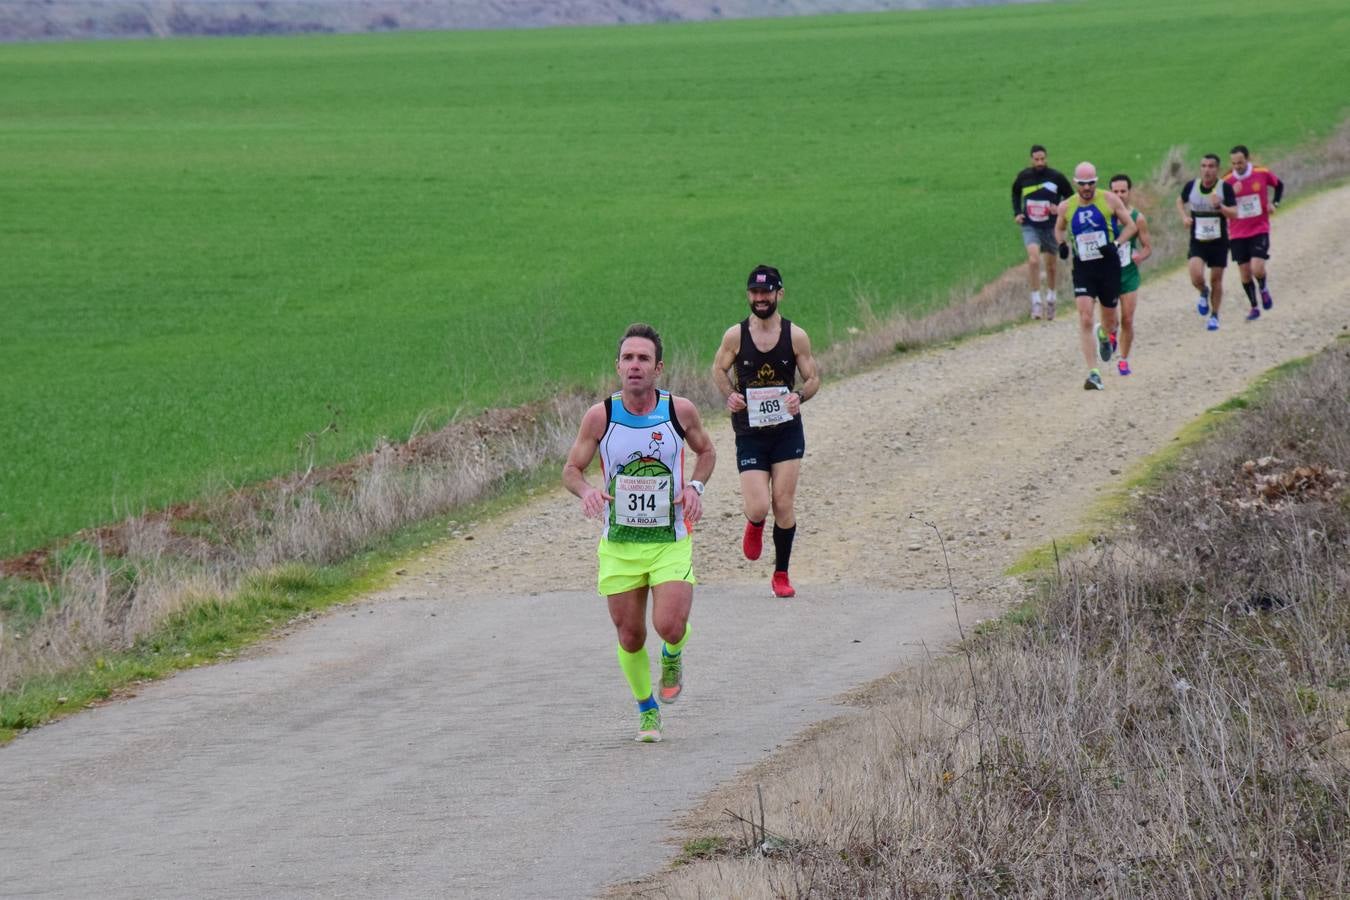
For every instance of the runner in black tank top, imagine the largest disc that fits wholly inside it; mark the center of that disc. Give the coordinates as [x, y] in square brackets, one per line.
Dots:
[758, 368]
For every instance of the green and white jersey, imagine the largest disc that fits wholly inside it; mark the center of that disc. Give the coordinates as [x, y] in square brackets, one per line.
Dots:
[642, 457]
[1127, 263]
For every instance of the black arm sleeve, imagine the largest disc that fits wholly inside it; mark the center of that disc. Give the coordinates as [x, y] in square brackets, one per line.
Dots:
[1017, 195]
[1279, 191]
[1229, 195]
[1065, 189]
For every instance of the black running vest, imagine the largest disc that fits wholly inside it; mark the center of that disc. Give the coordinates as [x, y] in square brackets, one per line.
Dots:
[756, 368]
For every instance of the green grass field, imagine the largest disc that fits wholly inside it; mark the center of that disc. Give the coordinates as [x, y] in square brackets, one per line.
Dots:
[207, 246]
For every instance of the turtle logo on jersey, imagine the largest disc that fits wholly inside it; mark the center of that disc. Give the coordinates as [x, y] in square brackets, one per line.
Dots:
[642, 491]
[640, 465]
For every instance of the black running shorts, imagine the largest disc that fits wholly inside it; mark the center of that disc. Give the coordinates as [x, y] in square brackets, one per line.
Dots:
[762, 447]
[1099, 279]
[1214, 253]
[1243, 249]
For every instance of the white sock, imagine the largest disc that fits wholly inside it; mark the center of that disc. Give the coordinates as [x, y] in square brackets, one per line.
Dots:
[1035, 297]
[1050, 296]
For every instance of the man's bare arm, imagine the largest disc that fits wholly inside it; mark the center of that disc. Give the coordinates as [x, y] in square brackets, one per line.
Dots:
[1145, 242]
[579, 458]
[696, 437]
[1122, 214]
[722, 362]
[806, 368]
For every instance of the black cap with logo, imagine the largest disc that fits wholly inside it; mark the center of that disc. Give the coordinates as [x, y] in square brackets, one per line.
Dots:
[764, 278]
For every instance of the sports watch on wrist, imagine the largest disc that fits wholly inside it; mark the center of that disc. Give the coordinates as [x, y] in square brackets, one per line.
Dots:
[697, 486]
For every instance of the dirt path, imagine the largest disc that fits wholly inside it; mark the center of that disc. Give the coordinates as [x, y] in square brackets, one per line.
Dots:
[466, 732]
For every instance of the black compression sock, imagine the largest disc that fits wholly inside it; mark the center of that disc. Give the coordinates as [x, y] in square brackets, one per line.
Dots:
[1261, 280]
[1250, 288]
[782, 546]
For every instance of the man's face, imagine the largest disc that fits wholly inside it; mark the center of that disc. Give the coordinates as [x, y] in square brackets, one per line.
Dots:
[1121, 189]
[1239, 161]
[1038, 159]
[1086, 187]
[1209, 171]
[764, 303]
[637, 365]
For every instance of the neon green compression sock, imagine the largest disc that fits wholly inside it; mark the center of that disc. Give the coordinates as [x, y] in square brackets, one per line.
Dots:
[674, 649]
[637, 668]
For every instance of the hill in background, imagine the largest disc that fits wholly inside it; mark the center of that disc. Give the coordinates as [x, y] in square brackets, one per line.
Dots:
[22, 20]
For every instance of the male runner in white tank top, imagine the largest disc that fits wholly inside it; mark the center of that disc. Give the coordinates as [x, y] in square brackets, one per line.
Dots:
[649, 509]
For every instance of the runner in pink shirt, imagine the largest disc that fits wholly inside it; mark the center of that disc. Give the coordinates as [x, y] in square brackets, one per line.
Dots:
[1249, 232]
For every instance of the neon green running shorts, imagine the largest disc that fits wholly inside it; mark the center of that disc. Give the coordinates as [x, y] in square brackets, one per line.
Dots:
[627, 566]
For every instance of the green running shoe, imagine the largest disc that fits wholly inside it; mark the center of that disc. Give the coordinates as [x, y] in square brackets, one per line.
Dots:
[649, 727]
[672, 677]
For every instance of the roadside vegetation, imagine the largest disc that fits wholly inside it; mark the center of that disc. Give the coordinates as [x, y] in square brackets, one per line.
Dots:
[86, 617]
[227, 260]
[1169, 716]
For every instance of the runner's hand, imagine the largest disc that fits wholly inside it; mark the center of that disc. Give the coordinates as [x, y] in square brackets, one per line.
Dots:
[1063, 250]
[794, 403]
[593, 502]
[693, 505]
[1019, 218]
[735, 401]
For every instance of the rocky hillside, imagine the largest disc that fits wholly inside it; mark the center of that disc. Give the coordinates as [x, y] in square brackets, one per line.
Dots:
[22, 20]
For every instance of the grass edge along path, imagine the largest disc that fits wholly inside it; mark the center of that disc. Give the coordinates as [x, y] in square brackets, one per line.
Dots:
[214, 629]
[1113, 505]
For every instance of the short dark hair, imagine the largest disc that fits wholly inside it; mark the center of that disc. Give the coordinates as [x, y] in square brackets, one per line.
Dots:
[1213, 156]
[1121, 177]
[640, 330]
[1240, 148]
[1036, 148]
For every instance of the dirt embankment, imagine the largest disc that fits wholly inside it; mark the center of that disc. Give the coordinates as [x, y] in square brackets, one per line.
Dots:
[22, 20]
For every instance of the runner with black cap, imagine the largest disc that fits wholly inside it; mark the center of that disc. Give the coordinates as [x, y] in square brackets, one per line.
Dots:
[758, 368]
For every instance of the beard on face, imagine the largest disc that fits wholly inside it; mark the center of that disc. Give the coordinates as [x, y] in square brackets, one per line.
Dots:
[765, 313]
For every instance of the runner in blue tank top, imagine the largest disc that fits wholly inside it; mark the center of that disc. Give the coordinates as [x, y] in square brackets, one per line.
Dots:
[1100, 227]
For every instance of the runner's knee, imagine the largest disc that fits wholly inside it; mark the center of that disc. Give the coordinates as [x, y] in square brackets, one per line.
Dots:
[632, 638]
[670, 626]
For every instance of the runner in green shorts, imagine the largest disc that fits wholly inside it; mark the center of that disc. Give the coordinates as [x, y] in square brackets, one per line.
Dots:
[1141, 248]
[649, 510]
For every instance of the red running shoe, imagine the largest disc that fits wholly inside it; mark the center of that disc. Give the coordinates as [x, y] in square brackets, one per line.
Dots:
[781, 586]
[753, 542]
